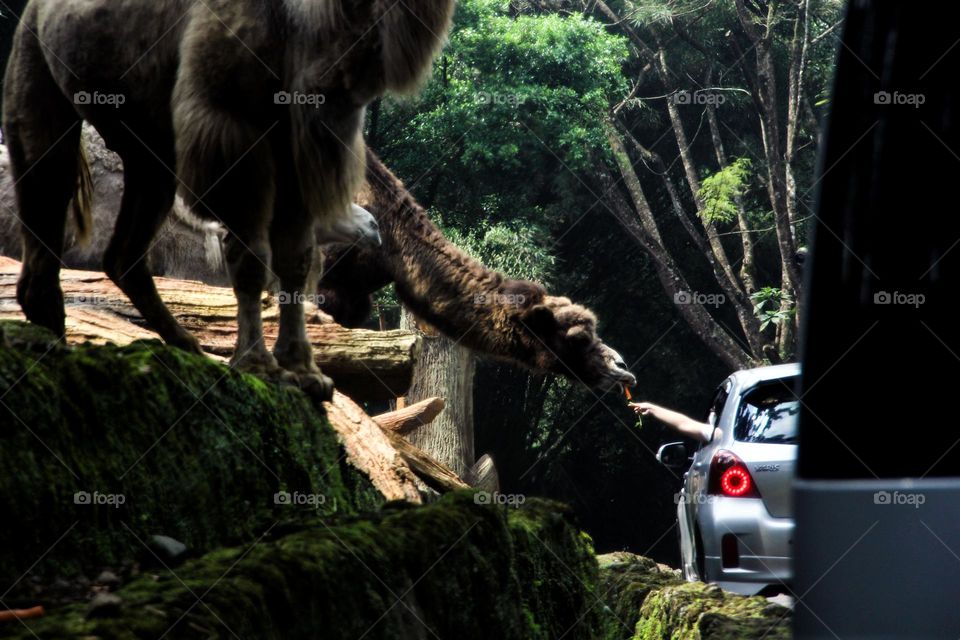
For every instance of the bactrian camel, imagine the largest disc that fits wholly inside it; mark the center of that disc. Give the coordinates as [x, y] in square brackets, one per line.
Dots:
[514, 320]
[437, 280]
[252, 109]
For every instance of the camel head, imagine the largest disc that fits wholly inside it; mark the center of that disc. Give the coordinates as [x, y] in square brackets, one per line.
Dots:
[358, 227]
[563, 337]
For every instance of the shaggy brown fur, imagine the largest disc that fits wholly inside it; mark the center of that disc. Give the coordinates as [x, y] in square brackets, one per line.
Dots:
[512, 319]
[257, 104]
[186, 246]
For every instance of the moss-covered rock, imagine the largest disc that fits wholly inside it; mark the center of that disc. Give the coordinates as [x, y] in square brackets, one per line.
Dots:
[648, 601]
[706, 612]
[104, 446]
[625, 580]
[452, 569]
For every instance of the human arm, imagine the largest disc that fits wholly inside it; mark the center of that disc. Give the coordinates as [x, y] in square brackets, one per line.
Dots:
[682, 424]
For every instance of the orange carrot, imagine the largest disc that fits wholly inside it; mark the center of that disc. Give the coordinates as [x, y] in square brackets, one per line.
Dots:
[21, 614]
[626, 392]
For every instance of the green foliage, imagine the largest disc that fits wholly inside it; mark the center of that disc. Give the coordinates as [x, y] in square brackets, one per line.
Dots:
[720, 191]
[507, 143]
[767, 306]
[514, 250]
[510, 120]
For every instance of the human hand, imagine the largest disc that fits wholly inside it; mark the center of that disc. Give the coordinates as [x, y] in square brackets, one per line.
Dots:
[642, 408]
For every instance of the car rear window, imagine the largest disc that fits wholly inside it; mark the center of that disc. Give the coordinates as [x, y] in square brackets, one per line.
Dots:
[768, 413]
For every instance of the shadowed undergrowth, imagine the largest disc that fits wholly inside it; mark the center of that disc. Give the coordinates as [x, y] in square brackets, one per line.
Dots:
[452, 569]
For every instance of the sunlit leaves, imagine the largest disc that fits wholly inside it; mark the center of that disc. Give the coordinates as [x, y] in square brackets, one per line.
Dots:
[720, 190]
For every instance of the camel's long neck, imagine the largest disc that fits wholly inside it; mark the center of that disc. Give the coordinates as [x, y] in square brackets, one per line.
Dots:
[440, 283]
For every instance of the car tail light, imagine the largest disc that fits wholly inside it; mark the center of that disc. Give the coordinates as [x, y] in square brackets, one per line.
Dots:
[730, 477]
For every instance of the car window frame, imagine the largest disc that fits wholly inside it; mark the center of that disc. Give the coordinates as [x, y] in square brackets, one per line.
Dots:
[718, 404]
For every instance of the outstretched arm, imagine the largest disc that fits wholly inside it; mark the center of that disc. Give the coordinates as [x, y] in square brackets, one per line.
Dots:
[682, 424]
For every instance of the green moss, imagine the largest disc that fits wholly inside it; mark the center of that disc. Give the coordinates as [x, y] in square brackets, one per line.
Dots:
[647, 601]
[705, 612]
[625, 580]
[196, 450]
[456, 568]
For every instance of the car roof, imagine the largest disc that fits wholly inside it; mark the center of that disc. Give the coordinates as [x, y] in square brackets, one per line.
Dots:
[750, 377]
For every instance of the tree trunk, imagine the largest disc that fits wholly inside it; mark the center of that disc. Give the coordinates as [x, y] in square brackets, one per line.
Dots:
[727, 279]
[749, 323]
[443, 369]
[765, 94]
[748, 269]
[713, 248]
[642, 226]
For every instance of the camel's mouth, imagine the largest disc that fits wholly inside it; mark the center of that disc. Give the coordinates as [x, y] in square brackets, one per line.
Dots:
[617, 374]
[616, 377]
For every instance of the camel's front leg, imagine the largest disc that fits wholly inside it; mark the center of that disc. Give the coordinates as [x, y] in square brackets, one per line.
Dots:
[226, 167]
[292, 241]
[248, 257]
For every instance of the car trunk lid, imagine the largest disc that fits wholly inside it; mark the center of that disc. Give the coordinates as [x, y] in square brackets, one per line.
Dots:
[772, 469]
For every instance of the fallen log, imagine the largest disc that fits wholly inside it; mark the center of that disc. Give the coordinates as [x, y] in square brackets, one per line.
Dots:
[371, 449]
[365, 365]
[434, 474]
[407, 419]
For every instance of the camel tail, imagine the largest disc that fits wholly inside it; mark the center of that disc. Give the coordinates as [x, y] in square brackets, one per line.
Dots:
[82, 203]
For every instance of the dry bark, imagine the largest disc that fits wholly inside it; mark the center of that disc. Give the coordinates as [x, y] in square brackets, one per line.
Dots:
[444, 369]
[98, 312]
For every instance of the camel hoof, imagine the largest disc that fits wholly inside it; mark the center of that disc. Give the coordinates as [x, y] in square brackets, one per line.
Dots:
[316, 385]
[296, 357]
[186, 342]
[258, 363]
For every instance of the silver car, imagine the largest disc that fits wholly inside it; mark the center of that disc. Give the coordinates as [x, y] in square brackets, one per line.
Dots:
[734, 510]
